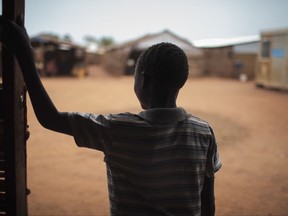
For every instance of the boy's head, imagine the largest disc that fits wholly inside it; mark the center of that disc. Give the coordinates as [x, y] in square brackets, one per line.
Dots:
[162, 69]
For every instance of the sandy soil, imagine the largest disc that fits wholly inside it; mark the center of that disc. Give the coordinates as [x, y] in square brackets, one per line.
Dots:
[250, 124]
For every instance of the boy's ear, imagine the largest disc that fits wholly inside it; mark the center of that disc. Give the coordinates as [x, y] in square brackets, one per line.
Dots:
[146, 79]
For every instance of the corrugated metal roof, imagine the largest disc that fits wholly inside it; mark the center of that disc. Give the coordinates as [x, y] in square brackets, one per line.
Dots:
[164, 36]
[50, 40]
[223, 42]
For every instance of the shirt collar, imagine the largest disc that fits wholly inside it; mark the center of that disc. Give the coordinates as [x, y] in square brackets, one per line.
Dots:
[164, 115]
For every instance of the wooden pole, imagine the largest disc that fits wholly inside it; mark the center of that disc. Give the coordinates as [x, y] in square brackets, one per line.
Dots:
[14, 122]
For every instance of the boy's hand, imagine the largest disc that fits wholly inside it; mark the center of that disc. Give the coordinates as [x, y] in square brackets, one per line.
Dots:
[12, 36]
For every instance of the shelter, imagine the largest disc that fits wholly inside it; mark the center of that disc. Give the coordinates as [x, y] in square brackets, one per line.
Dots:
[121, 59]
[58, 57]
[272, 63]
[230, 57]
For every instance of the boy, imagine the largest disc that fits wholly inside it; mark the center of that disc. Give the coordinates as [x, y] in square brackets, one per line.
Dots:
[159, 162]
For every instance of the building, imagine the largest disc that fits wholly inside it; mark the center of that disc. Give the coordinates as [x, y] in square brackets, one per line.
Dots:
[272, 62]
[121, 59]
[230, 57]
[58, 57]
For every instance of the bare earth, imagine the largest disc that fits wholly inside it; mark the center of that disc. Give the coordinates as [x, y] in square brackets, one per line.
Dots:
[251, 126]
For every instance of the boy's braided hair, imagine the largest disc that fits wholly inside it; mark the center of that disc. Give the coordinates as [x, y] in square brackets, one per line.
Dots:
[166, 63]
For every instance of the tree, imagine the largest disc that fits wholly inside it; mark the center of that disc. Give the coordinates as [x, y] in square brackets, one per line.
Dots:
[90, 39]
[105, 41]
[101, 43]
[67, 38]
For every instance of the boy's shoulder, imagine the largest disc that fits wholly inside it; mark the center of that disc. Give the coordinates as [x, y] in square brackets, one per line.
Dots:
[124, 117]
[198, 120]
[151, 119]
[200, 125]
[127, 116]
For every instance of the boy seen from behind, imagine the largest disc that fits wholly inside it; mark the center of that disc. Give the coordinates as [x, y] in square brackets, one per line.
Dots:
[160, 161]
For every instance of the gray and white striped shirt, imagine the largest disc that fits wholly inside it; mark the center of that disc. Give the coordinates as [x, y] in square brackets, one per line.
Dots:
[156, 160]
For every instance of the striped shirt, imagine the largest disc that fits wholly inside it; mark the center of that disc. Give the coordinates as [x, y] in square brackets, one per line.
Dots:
[156, 160]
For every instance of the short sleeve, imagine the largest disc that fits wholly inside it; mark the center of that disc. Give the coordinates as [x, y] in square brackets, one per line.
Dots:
[90, 130]
[213, 163]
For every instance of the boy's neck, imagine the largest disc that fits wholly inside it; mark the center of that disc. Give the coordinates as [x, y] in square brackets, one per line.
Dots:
[163, 101]
[161, 106]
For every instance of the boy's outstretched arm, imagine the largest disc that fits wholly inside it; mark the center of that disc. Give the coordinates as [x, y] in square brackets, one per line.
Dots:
[15, 39]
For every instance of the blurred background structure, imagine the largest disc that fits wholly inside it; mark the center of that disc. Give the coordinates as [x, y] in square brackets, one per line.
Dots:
[222, 40]
[225, 41]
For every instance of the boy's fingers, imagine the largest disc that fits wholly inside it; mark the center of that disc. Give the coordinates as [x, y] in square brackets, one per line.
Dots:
[3, 20]
[1, 27]
[19, 20]
[1, 30]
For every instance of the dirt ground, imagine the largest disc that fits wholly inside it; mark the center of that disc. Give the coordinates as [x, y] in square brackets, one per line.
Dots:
[250, 125]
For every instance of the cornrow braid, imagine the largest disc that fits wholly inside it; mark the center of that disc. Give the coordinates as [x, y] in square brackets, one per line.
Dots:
[165, 62]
